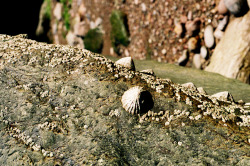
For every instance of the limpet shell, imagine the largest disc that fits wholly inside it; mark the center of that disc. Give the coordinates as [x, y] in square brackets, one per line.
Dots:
[136, 100]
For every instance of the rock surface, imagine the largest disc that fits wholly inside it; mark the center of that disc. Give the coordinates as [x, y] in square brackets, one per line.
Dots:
[231, 57]
[61, 105]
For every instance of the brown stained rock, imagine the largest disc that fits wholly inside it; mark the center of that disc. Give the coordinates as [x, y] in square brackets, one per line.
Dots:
[231, 56]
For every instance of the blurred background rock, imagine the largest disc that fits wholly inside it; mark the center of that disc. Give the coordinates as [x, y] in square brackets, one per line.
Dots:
[165, 31]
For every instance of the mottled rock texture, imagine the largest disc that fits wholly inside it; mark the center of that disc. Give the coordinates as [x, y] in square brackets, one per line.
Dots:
[61, 105]
[231, 56]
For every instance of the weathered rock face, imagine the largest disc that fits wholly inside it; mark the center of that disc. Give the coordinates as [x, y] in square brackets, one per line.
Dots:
[231, 57]
[61, 105]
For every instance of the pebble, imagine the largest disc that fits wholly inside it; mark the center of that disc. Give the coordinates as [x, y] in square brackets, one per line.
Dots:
[178, 29]
[58, 11]
[218, 33]
[143, 7]
[192, 43]
[126, 62]
[223, 23]
[193, 27]
[201, 91]
[164, 51]
[197, 61]
[222, 9]
[204, 52]
[237, 7]
[209, 36]
[224, 96]
[189, 85]
[182, 61]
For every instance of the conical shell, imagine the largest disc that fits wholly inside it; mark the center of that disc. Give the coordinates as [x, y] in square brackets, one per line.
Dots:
[126, 62]
[136, 100]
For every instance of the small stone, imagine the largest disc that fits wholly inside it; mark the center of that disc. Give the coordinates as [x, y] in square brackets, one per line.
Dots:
[197, 61]
[192, 43]
[209, 36]
[218, 34]
[58, 11]
[223, 23]
[224, 96]
[237, 7]
[202, 91]
[178, 29]
[222, 9]
[190, 15]
[193, 27]
[143, 7]
[190, 85]
[182, 61]
[204, 52]
[183, 19]
[164, 51]
[126, 62]
[148, 71]
[82, 10]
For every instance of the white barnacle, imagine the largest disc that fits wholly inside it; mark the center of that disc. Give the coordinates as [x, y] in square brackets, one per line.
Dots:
[135, 100]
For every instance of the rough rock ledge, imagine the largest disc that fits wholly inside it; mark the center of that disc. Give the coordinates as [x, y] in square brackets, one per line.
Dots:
[60, 105]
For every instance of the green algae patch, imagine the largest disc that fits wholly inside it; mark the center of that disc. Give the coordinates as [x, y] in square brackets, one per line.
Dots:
[93, 40]
[119, 31]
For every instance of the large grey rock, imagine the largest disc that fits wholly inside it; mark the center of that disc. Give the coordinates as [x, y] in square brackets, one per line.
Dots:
[231, 56]
[61, 105]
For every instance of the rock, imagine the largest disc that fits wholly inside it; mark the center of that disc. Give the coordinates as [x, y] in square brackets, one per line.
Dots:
[223, 23]
[197, 61]
[193, 27]
[73, 40]
[190, 15]
[204, 52]
[218, 33]
[80, 29]
[223, 96]
[143, 7]
[201, 91]
[222, 9]
[61, 105]
[183, 19]
[190, 85]
[82, 11]
[231, 56]
[182, 61]
[164, 51]
[209, 36]
[237, 7]
[178, 29]
[57, 12]
[148, 71]
[126, 62]
[192, 43]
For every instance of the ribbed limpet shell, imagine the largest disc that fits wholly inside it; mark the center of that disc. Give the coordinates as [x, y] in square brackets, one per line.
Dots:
[136, 100]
